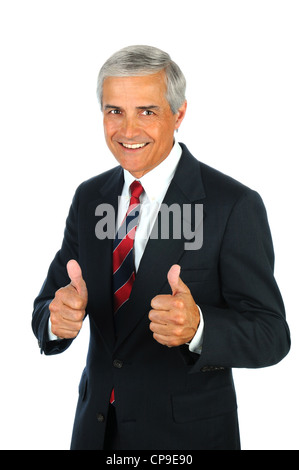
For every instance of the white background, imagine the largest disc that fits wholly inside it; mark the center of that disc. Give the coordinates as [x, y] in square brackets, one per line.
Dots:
[240, 59]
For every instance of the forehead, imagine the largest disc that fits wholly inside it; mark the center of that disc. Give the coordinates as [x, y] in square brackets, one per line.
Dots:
[147, 87]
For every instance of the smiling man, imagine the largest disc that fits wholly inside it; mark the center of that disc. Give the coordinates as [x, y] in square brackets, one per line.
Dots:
[138, 122]
[167, 323]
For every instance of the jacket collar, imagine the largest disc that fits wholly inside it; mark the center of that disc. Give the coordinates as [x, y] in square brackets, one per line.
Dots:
[188, 176]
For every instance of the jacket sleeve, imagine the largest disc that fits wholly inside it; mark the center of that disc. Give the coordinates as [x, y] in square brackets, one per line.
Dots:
[57, 277]
[251, 330]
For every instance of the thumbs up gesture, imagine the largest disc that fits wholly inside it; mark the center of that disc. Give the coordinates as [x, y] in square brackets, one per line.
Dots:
[174, 318]
[67, 310]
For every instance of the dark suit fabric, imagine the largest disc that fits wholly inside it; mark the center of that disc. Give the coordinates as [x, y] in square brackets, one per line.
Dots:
[170, 398]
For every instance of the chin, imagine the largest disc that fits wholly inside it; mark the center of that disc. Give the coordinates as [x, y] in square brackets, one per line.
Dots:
[131, 165]
[134, 170]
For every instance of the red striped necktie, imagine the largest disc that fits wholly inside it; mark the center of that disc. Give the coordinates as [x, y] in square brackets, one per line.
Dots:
[123, 259]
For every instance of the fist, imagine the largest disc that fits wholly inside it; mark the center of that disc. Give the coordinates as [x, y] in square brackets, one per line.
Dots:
[67, 310]
[174, 318]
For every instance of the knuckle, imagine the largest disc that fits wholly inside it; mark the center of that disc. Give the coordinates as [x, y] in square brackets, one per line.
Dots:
[54, 329]
[59, 293]
[178, 332]
[178, 304]
[79, 316]
[53, 307]
[77, 304]
[179, 319]
[151, 314]
[54, 320]
[76, 330]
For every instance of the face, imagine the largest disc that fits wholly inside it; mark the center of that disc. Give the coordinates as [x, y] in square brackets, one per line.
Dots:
[138, 122]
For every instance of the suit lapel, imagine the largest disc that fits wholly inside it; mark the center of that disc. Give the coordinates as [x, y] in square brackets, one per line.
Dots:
[161, 253]
[100, 261]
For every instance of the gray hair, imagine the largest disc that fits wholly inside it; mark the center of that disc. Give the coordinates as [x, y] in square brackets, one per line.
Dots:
[145, 60]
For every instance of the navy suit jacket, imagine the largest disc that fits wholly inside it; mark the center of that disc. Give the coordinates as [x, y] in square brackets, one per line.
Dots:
[171, 398]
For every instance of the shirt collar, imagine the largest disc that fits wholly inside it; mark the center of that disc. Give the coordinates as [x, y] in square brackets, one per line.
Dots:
[156, 181]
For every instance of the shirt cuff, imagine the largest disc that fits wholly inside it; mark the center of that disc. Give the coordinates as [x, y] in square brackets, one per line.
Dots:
[51, 335]
[195, 345]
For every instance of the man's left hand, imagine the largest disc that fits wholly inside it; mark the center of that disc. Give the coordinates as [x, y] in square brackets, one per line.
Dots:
[174, 318]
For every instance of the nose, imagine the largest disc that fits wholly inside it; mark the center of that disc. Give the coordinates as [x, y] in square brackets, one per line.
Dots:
[130, 128]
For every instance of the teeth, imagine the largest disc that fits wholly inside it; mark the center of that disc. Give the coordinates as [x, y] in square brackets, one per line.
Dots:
[133, 146]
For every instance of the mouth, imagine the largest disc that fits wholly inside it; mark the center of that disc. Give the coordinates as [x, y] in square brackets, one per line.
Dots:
[133, 146]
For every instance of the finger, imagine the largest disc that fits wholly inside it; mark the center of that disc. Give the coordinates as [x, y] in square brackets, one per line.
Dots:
[162, 302]
[75, 274]
[69, 297]
[66, 324]
[60, 325]
[65, 333]
[165, 340]
[72, 315]
[175, 282]
[159, 316]
[160, 329]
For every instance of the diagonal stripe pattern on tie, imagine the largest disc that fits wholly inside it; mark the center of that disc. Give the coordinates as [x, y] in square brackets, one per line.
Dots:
[123, 259]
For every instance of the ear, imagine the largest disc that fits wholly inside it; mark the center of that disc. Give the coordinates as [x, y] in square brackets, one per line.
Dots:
[180, 115]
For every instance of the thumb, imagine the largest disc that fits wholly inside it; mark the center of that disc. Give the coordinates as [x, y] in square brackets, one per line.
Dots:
[175, 282]
[75, 275]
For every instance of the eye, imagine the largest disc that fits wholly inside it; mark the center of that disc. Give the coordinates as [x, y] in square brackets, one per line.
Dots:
[114, 111]
[147, 112]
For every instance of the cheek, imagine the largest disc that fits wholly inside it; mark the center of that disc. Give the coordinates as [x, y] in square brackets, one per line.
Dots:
[109, 128]
[163, 135]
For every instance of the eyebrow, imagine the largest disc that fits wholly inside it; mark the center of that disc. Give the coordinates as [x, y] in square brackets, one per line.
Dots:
[111, 106]
[151, 106]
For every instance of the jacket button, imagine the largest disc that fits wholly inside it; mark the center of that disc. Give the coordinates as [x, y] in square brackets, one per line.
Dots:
[100, 417]
[118, 363]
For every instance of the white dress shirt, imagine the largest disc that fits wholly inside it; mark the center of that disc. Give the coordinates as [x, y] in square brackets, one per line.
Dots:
[155, 184]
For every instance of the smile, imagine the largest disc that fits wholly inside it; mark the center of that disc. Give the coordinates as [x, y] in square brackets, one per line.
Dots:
[133, 146]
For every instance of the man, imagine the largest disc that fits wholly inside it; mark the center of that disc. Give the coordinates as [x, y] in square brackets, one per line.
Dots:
[165, 334]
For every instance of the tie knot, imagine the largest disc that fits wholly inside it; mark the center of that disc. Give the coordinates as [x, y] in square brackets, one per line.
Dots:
[136, 189]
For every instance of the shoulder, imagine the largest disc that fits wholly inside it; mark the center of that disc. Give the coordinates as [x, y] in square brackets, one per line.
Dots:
[95, 183]
[93, 187]
[218, 185]
[221, 184]
[230, 195]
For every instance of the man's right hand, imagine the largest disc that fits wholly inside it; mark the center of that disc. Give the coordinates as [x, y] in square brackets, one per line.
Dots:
[67, 310]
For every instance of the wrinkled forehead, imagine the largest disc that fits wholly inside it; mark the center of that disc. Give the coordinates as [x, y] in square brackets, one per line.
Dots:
[148, 89]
